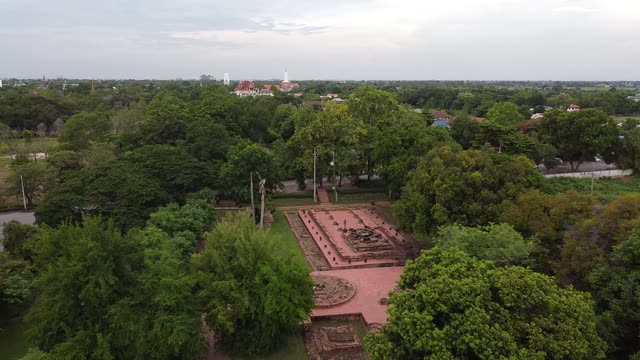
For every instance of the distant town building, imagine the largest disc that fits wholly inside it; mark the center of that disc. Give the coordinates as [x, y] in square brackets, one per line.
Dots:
[537, 116]
[635, 98]
[329, 96]
[225, 79]
[573, 107]
[0, 83]
[440, 123]
[442, 116]
[245, 88]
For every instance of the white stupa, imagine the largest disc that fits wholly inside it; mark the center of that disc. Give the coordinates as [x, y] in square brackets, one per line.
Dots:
[225, 79]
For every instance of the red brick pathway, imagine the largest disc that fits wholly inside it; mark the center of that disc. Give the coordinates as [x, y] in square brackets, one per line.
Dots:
[323, 196]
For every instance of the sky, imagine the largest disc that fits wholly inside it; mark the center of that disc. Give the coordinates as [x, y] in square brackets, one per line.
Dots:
[322, 39]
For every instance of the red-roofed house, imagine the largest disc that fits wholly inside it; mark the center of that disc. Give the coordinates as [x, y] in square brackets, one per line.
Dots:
[573, 107]
[442, 116]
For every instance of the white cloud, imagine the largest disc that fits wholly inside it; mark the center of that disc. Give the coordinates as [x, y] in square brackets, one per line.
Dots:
[372, 39]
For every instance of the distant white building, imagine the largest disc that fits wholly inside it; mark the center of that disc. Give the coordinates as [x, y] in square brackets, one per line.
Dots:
[0, 83]
[635, 98]
[225, 79]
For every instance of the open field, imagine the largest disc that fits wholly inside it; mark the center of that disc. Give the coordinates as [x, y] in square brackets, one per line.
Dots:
[604, 189]
[39, 144]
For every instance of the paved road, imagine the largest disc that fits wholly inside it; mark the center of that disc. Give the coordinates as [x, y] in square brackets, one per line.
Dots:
[20, 216]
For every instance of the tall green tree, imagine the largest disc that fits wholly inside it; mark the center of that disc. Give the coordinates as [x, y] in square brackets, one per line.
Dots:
[252, 296]
[579, 135]
[499, 243]
[107, 295]
[451, 185]
[452, 306]
[615, 288]
[82, 128]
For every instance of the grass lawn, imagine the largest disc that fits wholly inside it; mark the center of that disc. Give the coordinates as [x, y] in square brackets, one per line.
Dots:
[38, 144]
[292, 349]
[604, 189]
[288, 244]
[281, 202]
[361, 197]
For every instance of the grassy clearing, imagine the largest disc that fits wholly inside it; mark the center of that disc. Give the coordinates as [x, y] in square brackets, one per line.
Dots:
[604, 189]
[292, 349]
[38, 144]
[360, 197]
[288, 244]
[282, 202]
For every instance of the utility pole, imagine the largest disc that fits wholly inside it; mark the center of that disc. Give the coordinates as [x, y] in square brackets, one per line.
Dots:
[24, 199]
[253, 205]
[315, 187]
[333, 163]
[261, 187]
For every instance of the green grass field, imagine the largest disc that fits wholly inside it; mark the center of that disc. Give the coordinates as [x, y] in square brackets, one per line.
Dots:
[604, 189]
[357, 198]
[288, 244]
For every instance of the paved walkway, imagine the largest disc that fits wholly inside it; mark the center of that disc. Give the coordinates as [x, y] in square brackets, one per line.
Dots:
[371, 285]
[323, 196]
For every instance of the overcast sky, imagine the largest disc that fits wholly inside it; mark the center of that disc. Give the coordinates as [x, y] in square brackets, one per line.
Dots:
[322, 39]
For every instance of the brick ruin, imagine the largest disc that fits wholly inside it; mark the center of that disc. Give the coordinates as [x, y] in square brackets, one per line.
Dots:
[355, 238]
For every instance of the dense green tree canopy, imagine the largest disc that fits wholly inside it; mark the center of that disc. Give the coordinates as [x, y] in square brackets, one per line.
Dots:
[579, 135]
[497, 242]
[452, 306]
[252, 295]
[616, 288]
[105, 295]
[467, 187]
[82, 128]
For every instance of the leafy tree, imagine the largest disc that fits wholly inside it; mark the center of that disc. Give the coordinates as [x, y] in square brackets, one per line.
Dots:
[589, 244]
[547, 217]
[35, 177]
[207, 140]
[399, 145]
[451, 185]
[166, 121]
[371, 107]
[105, 295]
[127, 120]
[15, 281]
[499, 243]
[252, 296]
[64, 160]
[615, 288]
[98, 153]
[451, 305]
[82, 128]
[465, 131]
[334, 128]
[244, 158]
[579, 135]
[504, 114]
[16, 239]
